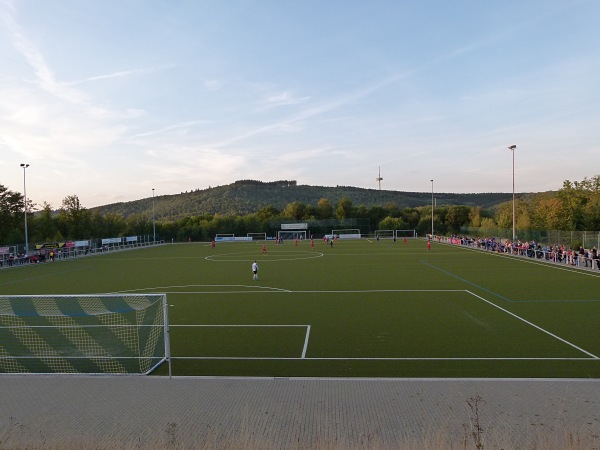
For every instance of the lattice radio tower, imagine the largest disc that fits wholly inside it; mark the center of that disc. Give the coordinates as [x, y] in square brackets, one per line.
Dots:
[379, 179]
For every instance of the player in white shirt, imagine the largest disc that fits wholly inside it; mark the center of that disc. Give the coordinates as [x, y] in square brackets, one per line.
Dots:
[255, 271]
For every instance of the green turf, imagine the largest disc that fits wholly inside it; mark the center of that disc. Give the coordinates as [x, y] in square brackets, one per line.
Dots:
[361, 308]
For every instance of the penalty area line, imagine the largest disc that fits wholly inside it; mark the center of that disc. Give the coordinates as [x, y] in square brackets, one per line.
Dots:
[534, 325]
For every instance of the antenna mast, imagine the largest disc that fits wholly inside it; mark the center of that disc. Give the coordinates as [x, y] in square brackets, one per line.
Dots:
[379, 179]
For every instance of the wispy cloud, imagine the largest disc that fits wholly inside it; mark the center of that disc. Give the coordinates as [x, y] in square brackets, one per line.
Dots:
[283, 99]
[45, 77]
[179, 127]
[121, 74]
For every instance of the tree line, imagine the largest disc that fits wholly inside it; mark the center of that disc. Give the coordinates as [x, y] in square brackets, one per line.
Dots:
[576, 206]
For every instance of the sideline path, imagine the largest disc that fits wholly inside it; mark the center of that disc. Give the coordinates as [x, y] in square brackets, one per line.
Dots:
[156, 412]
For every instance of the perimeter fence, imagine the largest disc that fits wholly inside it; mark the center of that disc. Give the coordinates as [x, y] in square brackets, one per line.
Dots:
[573, 239]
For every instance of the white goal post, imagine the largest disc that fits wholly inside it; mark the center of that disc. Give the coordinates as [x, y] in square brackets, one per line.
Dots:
[92, 334]
[291, 234]
[406, 233]
[257, 236]
[385, 234]
[347, 233]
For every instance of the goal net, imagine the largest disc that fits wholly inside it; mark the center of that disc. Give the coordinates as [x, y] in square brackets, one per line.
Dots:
[291, 234]
[384, 234]
[94, 334]
[257, 236]
[347, 233]
[406, 233]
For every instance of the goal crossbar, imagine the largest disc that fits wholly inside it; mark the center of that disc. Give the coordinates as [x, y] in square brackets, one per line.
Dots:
[291, 234]
[346, 233]
[406, 233]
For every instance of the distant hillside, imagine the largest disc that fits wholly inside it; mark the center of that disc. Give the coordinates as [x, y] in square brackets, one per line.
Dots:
[248, 196]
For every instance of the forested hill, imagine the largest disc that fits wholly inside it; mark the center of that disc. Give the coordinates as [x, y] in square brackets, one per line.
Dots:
[249, 196]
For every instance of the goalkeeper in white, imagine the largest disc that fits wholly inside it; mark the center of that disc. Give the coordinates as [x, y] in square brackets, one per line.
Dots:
[255, 271]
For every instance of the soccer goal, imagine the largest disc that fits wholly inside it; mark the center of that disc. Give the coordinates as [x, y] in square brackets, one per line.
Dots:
[291, 234]
[406, 234]
[93, 334]
[224, 237]
[257, 236]
[347, 233]
[385, 234]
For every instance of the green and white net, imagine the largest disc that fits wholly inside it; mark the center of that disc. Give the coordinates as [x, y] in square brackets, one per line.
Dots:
[100, 334]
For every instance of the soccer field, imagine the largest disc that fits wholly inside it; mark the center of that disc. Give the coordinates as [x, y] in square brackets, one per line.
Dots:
[361, 308]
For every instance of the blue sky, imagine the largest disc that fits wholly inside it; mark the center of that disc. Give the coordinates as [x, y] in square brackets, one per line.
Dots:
[108, 99]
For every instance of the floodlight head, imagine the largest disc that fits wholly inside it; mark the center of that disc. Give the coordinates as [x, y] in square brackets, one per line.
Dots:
[25, 165]
[512, 147]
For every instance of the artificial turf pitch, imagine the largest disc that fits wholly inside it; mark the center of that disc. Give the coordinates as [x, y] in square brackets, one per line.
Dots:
[362, 308]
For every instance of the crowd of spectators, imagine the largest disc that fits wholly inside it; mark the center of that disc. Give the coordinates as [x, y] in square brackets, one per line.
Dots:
[38, 256]
[14, 260]
[556, 253]
[54, 254]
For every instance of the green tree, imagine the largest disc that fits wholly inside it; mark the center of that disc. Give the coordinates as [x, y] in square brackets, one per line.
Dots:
[573, 198]
[110, 225]
[344, 208]
[411, 216]
[295, 210]
[487, 223]
[456, 217]
[392, 223]
[475, 216]
[591, 212]
[11, 216]
[74, 220]
[324, 210]
[45, 226]
[504, 215]
[267, 213]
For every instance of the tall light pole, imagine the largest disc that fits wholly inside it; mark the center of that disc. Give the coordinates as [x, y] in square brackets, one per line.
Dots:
[153, 219]
[431, 209]
[514, 233]
[25, 166]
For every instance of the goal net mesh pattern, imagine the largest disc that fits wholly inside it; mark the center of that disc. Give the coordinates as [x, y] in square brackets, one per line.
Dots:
[113, 334]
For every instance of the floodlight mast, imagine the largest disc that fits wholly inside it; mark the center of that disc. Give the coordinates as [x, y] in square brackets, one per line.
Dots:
[432, 205]
[25, 166]
[514, 228]
[153, 219]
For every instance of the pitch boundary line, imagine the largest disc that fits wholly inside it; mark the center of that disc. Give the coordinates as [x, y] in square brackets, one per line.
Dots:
[523, 259]
[269, 358]
[501, 296]
[306, 336]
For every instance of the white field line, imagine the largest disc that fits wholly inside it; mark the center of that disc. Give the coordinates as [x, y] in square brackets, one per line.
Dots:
[524, 259]
[241, 325]
[303, 357]
[269, 358]
[534, 325]
[267, 289]
[306, 341]
[251, 288]
[358, 291]
[306, 337]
